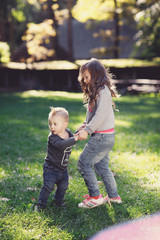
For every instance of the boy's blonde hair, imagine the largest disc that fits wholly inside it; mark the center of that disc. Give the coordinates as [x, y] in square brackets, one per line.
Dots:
[60, 112]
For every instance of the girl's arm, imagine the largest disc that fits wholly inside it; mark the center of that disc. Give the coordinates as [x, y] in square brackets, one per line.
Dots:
[82, 126]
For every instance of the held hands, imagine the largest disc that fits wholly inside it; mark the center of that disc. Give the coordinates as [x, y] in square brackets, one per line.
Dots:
[76, 136]
[82, 135]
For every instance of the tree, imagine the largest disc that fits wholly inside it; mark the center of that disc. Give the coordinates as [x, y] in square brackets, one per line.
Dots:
[70, 39]
[37, 37]
[4, 52]
[104, 10]
[6, 22]
[19, 17]
[148, 24]
[14, 14]
[116, 38]
[51, 15]
[44, 41]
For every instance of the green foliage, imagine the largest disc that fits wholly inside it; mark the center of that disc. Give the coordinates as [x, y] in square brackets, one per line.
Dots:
[98, 10]
[148, 22]
[117, 12]
[4, 52]
[37, 38]
[146, 14]
[81, 13]
[134, 159]
[18, 15]
[19, 10]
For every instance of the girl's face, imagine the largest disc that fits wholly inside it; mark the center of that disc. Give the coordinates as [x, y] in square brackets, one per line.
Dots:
[57, 125]
[86, 76]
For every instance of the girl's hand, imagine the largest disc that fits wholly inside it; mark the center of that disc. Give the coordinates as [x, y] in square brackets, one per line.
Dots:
[81, 127]
[82, 135]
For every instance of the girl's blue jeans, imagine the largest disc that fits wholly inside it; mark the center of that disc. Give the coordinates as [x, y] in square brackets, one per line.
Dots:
[52, 176]
[95, 156]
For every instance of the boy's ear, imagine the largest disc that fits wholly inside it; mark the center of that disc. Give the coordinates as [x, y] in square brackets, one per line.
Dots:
[66, 124]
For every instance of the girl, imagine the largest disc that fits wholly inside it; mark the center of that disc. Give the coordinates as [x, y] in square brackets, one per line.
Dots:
[98, 92]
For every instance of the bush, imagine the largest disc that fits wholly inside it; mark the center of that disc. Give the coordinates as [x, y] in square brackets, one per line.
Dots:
[4, 52]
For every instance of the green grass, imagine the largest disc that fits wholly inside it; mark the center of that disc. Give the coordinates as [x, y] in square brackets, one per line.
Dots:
[23, 139]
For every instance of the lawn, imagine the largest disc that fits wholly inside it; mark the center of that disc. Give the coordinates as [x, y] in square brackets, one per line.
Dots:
[23, 138]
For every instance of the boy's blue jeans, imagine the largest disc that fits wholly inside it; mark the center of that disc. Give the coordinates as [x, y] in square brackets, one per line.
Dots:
[96, 155]
[52, 176]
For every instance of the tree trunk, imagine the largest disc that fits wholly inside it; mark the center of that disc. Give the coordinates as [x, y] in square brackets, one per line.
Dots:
[2, 26]
[117, 30]
[11, 34]
[70, 38]
[51, 15]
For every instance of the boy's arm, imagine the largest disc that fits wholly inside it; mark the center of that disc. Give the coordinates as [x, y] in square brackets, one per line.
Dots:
[62, 143]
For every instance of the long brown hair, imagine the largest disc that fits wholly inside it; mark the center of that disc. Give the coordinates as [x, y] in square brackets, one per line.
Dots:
[99, 78]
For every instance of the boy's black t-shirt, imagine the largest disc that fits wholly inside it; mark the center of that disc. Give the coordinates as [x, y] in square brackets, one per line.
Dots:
[59, 150]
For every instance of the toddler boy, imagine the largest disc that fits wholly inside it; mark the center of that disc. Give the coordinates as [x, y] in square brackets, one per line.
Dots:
[60, 142]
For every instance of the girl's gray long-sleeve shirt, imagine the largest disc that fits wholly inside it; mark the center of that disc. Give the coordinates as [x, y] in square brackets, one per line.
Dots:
[101, 116]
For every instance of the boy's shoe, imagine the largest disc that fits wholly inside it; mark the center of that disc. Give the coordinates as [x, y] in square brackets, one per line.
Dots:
[116, 199]
[91, 202]
[39, 208]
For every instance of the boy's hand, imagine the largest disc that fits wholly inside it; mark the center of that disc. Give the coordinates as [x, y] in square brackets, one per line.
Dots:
[76, 136]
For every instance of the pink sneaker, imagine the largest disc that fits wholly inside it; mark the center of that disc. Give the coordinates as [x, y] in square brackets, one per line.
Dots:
[91, 202]
[116, 199]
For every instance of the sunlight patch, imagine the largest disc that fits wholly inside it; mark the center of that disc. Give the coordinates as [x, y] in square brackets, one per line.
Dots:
[123, 123]
[45, 94]
[4, 199]
[138, 164]
[2, 173]
[153, 181]
[135, 212]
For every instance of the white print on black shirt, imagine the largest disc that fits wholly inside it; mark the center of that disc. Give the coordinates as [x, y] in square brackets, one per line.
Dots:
[66, 155]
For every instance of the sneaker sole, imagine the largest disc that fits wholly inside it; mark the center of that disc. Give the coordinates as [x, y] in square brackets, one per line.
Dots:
[91, 205]
[114, 201]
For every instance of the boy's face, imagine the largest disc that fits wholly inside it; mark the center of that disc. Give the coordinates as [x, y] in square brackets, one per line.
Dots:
[57, 124]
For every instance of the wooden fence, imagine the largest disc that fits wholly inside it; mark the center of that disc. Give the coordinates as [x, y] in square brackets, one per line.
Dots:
[133, 79]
